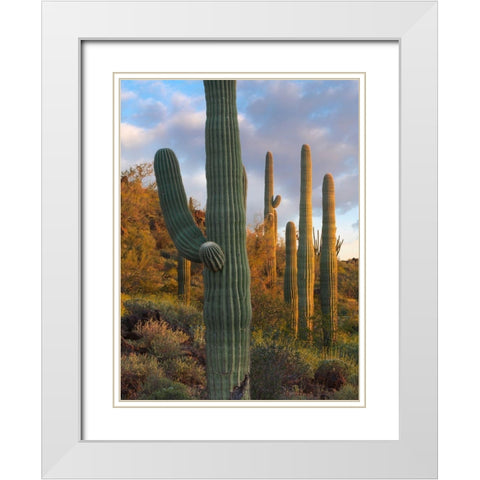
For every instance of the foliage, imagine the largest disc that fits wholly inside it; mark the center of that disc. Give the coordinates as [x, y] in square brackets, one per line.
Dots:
[347, 392]
[143, 233]
[348, 279]
[177, 315]
[165, 389]
[136, 369]
[331, 374]
[164, 346]
[163, 340]
[160, 340]
[275, 369]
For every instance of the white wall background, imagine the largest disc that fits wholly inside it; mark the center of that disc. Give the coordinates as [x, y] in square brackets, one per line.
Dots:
[459, 175]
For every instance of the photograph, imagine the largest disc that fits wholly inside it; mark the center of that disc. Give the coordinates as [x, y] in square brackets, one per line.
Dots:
[239, 236]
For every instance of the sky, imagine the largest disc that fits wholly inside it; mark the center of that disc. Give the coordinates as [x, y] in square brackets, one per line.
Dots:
[274, 115]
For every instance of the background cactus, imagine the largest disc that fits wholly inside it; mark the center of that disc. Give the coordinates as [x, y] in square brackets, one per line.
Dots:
[270, 222]
[290, 290]
[316, 242]
[338, 245]
[305, 255]
[227, 306]
[328, 263]
[183, 279]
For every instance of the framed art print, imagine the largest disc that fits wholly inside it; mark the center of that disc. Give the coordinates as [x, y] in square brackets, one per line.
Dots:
[230, 240]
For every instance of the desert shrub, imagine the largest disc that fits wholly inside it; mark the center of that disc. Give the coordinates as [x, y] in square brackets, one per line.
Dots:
[347, 392]
[295, 393]
[135, 369]
[165, 389]
[269, 313]
[331, 374]
[346, 350]
[352, 378]
[349, 351]
[348, 324]
[348, 279]
[198, 337]
[179, 316]
[275, 369]
[160, 340]
[136, 311]
[185, 370]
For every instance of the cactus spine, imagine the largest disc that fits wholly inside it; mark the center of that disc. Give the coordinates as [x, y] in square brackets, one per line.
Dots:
[328, 263]
[305, 255]
[183, 279]
[270, 222]
[290, 290]
[227, 306]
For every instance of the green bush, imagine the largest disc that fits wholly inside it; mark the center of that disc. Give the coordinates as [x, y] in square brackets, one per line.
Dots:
[269, 314]
[135, 369]
[177, 315]
[165, 389]
[331, 374]
[185, 370]
[160, 340]
[275, 369]
[352, 378]
[348, 323]
[347, 392]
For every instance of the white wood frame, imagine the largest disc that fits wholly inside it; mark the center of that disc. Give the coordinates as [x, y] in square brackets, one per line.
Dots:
[65, 25]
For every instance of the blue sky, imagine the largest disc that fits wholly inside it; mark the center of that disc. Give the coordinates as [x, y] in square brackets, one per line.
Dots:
[274, 115]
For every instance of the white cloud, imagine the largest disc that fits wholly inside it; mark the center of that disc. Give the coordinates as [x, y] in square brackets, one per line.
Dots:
[132, 136]
[128, 95]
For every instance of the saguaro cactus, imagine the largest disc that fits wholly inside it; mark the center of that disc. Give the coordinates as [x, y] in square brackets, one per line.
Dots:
[305, 255]
[290, 290]
[183, 279]
[328, 263]
[227, 306]
[270, 222]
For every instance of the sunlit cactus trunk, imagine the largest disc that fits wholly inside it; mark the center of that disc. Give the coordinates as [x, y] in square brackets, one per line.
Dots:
[270, 223]
[290, 290]
[305, 255]
[227, 306]
[328, 264]
[184, 279]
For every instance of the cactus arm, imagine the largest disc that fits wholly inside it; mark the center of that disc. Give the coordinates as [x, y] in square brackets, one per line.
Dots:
[338, 245]
[186, 236]
[276, 201]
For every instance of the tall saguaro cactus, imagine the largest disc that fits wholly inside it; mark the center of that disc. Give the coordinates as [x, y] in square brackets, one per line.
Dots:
[328, 263]
[183, 279]
[290, 290]
[270, 222]
[227, 306]
[305, 255]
